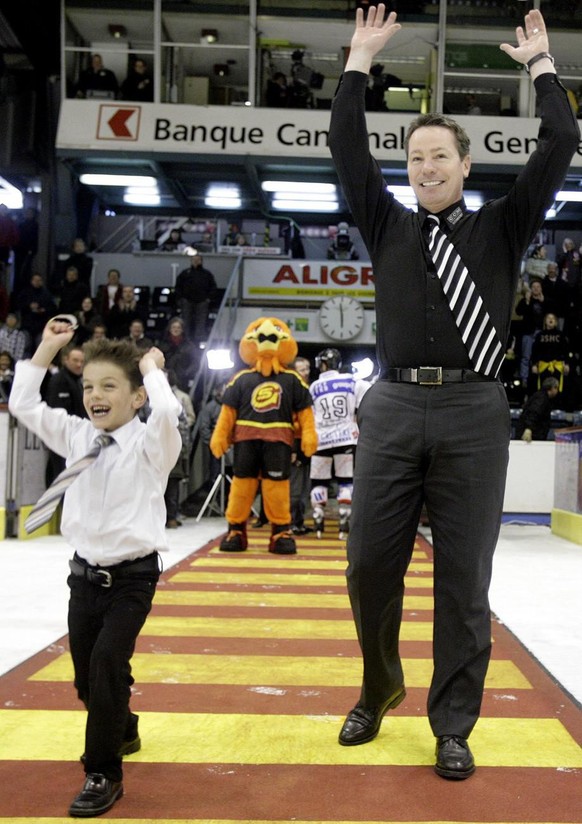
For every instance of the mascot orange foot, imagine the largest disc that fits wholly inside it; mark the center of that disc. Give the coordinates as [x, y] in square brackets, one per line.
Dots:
[261, 409]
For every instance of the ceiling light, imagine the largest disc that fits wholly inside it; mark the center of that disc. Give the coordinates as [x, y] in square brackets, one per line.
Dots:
[297, 186]
[221, 70]
[117, 31]
[117, 180]
[148, 199]
[209, 36]
[10, 196]
[572, 197]
[305, 205]
[223, 202]
[328, 196]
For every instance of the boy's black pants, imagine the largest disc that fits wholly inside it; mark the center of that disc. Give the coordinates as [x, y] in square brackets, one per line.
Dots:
[104, 623]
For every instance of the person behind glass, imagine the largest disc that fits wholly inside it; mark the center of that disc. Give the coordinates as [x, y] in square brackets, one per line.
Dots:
[531, 308]
[180, 353]
[6, 375]
[206, 423]
[14, 340]
[195, 286]
[569, 263]
[277, 94]
[555, 293]
[174, 242]
[97, 81]
[73, 292]
[109, 294]
[550, 353]
[36, 305]
[98, 330]
[535, 420]
[113, 516]
[472, 107]
[25, 249]
[80, 260]
[300, 464]
[181, 468]
[137, 335]
[412, 447]
[87, 316]
[139, 84]
[64, 390]
[122, 315]
[537, 263]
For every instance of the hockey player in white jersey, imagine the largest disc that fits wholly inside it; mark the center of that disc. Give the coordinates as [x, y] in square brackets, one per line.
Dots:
[336, 397]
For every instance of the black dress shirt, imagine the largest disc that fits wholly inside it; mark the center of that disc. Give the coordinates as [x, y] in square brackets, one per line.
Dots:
[415, 326]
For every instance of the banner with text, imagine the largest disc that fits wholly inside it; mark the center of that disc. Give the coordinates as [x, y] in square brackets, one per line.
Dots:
[313, 280]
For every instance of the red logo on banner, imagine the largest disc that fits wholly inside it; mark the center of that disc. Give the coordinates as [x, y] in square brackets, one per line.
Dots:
[118, 122]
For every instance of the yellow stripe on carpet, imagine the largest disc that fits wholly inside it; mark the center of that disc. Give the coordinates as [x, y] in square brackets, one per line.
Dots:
[247, 562]
[273, 670]
[112, 820]
[283, 600]
[302, 549]
[223, 738]
[281, 579]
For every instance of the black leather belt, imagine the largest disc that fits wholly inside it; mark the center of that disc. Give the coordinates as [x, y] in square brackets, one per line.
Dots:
[433, 375]
[104, 576]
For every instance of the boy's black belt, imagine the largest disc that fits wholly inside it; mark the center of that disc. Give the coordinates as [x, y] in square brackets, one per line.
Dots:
[433, 375]
[104, 576]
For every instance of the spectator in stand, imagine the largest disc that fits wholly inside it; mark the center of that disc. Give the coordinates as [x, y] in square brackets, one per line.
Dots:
[180, 353]
[537, 263]
[64, 390]
[137, 335]
[36, 306]
[98, 330]
[531, 308]
[25, 249]
[8, 234]
[6, 375]
[4, 303]
[87, 316]
[550, 353]
[195, 286]
[81, 261]
[556, 294]
[123, 314]
[97, 81]
[109, 294]
[174, 242]
[207, 421]
[536, 418]
[569, 263]
[14, 340]
[73, 292]
[181, 469]
[277, 94]
[139, 84]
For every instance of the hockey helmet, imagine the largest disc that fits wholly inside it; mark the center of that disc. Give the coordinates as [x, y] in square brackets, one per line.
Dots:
[331, 358]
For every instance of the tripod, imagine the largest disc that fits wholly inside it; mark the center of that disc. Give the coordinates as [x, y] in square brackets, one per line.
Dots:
[219, 485]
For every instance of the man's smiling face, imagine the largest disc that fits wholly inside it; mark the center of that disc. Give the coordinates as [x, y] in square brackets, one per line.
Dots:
[435, 169]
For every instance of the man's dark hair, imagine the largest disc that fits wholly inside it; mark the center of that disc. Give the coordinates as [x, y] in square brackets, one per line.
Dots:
[550, 383]
[435, 119]
[122, 353]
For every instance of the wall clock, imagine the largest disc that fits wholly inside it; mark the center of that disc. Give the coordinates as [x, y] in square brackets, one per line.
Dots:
[341, 317]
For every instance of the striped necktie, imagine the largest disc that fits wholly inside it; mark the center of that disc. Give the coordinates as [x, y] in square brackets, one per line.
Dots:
[43, 510]
[480, 337]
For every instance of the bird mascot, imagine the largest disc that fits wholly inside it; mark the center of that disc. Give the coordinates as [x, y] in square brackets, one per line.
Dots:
[264, 408]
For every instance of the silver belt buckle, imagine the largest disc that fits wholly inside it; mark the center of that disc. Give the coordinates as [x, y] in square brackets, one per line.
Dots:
[428, 375]
[107, 577]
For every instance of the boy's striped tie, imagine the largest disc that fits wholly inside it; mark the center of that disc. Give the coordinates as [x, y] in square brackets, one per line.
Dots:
[472, 318]
[44, 508]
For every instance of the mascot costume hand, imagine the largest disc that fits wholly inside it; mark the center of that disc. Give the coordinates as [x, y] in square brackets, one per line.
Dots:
[260, 407]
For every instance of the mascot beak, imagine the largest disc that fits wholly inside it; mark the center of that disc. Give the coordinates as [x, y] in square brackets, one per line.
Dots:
[268, 336]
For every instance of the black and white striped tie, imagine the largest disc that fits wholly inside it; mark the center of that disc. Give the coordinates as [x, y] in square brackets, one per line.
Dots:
[43, 510]
[480, 337]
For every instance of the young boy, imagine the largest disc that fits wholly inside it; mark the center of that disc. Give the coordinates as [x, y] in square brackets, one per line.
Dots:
[114, 517]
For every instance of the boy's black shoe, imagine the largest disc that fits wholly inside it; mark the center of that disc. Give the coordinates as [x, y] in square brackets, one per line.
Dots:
[98, 795]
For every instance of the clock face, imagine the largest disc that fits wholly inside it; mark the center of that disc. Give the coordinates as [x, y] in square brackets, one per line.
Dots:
[341, 317]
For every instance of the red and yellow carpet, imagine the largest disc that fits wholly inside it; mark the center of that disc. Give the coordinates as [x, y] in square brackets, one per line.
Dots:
[244, 672]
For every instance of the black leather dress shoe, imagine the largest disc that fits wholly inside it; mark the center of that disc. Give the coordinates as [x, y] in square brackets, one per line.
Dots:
[98, 795]
[454, 759]
[363, 724]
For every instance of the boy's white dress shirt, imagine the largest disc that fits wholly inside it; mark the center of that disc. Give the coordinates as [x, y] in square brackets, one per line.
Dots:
[115, 510]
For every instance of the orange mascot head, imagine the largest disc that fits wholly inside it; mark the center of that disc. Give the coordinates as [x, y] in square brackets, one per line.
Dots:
[267, 346]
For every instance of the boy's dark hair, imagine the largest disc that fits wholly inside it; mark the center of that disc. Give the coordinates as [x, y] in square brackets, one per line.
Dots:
[122, 353]
[435, 119]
